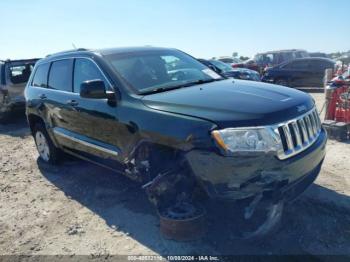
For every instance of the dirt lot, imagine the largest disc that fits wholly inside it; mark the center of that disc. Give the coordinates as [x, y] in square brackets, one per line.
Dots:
[78, 208]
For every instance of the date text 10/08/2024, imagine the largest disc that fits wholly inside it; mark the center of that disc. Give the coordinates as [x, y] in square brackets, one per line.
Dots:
[173, 258]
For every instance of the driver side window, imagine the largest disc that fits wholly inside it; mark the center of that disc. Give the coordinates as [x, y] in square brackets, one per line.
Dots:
[85, 70]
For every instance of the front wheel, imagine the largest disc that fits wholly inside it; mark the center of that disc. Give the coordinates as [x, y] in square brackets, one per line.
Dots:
[46, 149]
[252, 220]
[263, 222]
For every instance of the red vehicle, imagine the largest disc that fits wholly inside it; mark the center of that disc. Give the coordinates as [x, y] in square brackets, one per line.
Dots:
[337, 118]
[250, 64]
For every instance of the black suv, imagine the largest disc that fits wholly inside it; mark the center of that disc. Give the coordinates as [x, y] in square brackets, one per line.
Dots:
[303, 72]
[162, 118]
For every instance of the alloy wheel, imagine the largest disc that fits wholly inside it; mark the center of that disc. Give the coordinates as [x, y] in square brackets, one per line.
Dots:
[42, 146]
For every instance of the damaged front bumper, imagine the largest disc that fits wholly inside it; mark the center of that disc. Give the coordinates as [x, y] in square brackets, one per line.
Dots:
[244, 176]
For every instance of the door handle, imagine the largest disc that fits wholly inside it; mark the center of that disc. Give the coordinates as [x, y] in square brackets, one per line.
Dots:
[72, 102]
[42, 96]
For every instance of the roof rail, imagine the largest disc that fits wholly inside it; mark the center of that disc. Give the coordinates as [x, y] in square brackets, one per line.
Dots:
[69, 51]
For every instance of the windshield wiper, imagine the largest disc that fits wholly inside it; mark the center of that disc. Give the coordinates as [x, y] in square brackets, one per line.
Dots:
[201, 81]
[159, 89]
[188, 84]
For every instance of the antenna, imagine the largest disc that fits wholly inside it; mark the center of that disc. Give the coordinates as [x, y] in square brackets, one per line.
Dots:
[74, 46]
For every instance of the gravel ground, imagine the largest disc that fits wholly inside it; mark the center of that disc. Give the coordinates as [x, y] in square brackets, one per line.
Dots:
[81, 209]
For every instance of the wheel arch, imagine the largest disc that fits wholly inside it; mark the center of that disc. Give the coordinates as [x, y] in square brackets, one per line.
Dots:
[34, 119]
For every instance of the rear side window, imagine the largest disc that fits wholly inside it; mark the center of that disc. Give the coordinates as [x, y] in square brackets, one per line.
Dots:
[85, 70]
[40, 76]
[60, 77]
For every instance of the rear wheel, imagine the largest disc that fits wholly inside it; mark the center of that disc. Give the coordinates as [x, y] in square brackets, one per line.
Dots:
[46, 149]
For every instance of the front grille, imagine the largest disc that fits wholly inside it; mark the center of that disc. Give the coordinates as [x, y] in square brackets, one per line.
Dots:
[298, 134]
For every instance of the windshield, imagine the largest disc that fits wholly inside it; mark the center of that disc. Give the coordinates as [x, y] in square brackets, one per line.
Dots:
[147, 71]
[221, 65]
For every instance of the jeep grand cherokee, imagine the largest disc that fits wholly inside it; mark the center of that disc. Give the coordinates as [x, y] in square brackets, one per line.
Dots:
[164, 119]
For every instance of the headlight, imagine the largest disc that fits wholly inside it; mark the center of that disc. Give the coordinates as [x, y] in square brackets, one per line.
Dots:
[259, 139]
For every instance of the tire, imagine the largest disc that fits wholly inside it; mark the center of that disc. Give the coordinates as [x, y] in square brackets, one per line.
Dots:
[268, 226]
[281, 82]
[46, 149]
[259, 224]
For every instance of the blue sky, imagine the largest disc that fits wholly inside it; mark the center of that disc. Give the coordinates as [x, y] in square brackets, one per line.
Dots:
[202, 28]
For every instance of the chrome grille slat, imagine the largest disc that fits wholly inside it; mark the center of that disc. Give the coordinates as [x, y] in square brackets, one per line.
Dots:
[318, 121]
[299, 134]
[308, 126]
[313, 123]
[288, 137]
[304, 131]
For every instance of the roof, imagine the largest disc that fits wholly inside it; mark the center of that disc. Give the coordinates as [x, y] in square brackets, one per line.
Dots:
[119, 50]
[68, 52]
[108, 51]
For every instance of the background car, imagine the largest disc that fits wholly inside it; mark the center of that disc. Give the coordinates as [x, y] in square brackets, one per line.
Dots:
[229, 60]
[307, 72]
[227, 71]
[262, 61]
[14, 75]
[249, 64]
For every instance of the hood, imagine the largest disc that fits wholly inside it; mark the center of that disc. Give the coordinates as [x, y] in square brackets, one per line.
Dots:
[234, 103]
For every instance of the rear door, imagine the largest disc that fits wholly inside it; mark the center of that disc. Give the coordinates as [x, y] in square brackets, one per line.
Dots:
[93, 129]
[59, 99]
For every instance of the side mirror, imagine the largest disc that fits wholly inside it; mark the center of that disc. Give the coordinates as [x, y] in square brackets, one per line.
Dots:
[93, 89]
